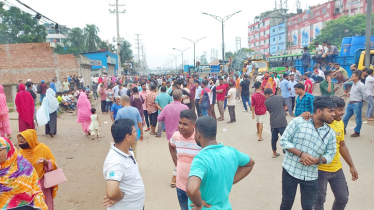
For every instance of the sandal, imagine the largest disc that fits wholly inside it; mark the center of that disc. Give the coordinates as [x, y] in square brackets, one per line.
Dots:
[276, 155]
[261, 139]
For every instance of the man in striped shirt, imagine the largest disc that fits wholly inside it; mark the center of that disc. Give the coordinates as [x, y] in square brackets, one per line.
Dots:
[183, 149]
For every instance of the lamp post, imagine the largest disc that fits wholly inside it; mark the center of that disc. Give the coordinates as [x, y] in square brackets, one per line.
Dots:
[222, 20]
[176, 65]
[194, 43]
[181, 51]
[171, 63]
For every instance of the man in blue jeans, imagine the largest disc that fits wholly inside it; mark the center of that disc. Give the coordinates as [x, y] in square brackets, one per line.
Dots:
[356, 98]
[244, 86]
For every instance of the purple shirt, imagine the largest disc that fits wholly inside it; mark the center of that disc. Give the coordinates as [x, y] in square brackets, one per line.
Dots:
[170, 115]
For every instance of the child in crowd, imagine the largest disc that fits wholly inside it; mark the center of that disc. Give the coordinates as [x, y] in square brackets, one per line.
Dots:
[95, 124]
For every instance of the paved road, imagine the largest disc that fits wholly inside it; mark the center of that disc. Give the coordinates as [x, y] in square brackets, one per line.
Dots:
[82, 160]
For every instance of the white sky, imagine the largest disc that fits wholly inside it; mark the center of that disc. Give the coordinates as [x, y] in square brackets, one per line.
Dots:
[163, 23]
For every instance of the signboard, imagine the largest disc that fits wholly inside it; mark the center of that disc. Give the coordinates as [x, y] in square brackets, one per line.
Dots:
[95, 62]
[295, 38]
[350, 2]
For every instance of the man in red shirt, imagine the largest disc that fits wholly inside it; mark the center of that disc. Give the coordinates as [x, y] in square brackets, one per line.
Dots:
[221, 93]
[258, 108]
[308, 84]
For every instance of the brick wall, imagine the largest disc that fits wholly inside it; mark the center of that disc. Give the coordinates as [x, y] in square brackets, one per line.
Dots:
[35, 61]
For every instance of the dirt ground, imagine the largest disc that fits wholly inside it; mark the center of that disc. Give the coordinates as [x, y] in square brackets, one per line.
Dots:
[82, 160]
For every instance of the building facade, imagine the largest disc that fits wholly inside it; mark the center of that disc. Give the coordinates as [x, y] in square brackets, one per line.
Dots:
[258, 36]
[103, 61]
[278, 39]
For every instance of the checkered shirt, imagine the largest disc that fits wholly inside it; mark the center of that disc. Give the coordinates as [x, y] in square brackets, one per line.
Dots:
[258, 101]
[304, 105]
[302, 135]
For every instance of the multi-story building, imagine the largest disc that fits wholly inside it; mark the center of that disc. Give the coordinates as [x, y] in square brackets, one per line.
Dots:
[278, 39]
[306, 26]
[258, 36]
[56, 35]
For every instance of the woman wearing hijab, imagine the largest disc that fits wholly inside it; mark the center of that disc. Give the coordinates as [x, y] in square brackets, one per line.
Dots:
[271, 85]
[41, 158]
[4, 118]
[25, 109]
[47, 113]
[19, 181]
[84, 112]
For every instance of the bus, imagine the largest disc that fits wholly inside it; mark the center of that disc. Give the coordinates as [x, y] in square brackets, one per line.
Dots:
[277, 63]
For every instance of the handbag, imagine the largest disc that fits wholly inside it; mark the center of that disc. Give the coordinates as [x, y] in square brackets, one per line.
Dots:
[54, 178]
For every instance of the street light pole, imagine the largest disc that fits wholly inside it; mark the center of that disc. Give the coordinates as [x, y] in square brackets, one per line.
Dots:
[222, 20]
[181, 51]
[194, 43]
[176, 65]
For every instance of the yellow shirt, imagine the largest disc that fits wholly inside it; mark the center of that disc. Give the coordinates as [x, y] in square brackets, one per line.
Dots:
[335, 165]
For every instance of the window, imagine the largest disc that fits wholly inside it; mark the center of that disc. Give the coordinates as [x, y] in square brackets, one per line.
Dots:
[324, 10]
[273, 39]
[299, 20]
[312, 15]
[279, 38]
[263, 23]
[264, 32]
[290, 23]
[273, 29]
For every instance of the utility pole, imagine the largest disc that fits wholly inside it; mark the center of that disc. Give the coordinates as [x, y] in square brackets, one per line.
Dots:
[238, 43]
[181, 51]
[118, 37]
[137, 42]
[369, 8]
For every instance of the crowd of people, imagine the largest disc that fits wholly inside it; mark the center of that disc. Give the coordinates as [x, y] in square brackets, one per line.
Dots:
[183, 107]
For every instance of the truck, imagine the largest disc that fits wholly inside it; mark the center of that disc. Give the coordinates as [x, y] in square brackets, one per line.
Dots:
[352, 52]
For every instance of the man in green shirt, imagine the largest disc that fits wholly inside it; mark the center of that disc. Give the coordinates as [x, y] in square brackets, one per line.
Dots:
[161, 101]
[326, 86]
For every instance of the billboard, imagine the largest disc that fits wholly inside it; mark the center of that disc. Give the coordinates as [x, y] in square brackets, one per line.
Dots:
[295, 38]
[305, 36]
[317, 29]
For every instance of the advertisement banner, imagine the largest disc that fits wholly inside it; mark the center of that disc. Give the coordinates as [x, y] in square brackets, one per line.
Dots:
[295, 38]
[305, 36]
[317, 29]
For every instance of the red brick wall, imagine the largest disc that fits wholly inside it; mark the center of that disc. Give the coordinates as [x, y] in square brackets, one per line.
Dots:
[35, 61]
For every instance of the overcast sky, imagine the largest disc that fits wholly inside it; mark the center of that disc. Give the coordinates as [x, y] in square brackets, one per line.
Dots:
[163, 23]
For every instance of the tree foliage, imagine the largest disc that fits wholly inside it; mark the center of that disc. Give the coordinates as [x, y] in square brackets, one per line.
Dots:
[126, 53]
[17, 26]
[345, 26]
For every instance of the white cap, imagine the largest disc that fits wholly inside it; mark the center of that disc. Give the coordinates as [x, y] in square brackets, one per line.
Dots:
[260, 73]
[292, 73]
[29, 80]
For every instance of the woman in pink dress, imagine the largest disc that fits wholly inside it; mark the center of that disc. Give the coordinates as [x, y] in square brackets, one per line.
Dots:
[4, 118]
[84, 112]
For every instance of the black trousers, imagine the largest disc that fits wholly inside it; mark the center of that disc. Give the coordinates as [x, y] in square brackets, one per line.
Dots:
[153, 118]
[103, 106]
[198, 110]
[146, 117]
[293, 103]
[308, 191]
[274, 136]
[232, 113]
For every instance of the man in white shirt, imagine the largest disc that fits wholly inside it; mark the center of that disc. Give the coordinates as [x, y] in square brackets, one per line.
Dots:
[369, 86]
[81, 81]
[249, 68]
[124, 184]
[318, 75]
[259, 77]
[116, 89]
[319, 53]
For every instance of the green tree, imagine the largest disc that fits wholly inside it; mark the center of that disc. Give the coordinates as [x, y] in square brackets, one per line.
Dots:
[17, 26]
[228, 55]
[76, 39]
[345, 26]
[92, 39]
[126, 53]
